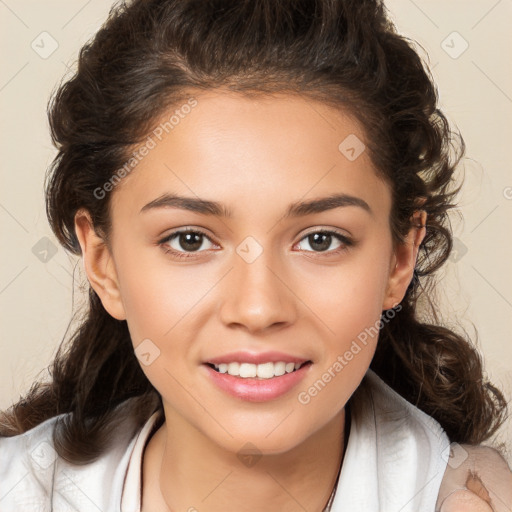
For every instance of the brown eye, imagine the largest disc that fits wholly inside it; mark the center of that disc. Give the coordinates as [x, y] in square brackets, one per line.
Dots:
[182, 242]
[321, 241]
[190, 241]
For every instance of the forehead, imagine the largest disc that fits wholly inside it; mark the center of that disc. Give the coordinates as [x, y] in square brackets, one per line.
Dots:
[253, 151]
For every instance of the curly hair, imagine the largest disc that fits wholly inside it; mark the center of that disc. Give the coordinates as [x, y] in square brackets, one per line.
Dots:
[151, 54]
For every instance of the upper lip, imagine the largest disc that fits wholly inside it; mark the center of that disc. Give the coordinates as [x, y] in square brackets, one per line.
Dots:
[256, 358]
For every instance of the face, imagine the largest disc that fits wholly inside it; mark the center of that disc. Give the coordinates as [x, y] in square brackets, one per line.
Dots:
[255, 273]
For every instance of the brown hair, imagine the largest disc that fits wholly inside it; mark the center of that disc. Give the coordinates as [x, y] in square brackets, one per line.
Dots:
[150, 55]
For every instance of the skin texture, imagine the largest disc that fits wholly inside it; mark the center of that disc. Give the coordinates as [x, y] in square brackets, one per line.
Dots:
[255, 156]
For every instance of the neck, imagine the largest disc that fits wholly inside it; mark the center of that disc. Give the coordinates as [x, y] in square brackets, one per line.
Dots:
[184, 470]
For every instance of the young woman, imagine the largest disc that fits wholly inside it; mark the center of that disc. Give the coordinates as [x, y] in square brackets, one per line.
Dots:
[259, 191]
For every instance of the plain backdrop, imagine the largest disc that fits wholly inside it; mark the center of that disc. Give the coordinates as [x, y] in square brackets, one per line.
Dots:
[467, 46]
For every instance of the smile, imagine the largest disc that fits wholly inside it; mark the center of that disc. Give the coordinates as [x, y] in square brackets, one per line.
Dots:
[277, 379]
[267, 370]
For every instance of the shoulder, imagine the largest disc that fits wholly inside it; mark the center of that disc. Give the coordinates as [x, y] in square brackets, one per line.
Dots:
[25, 466]
[34, 477]
[404, 449]
[455, 473]
[477, 478]
[33, 448]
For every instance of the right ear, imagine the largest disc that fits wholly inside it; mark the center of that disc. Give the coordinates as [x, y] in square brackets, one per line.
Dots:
[99, 265]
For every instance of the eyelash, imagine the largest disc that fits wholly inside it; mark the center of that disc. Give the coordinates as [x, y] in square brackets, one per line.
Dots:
[346, 242]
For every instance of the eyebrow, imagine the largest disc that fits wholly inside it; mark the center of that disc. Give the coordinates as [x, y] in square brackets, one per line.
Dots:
[297, 209]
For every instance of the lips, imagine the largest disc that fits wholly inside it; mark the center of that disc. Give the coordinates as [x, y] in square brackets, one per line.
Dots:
[257, 377]
[256, 389]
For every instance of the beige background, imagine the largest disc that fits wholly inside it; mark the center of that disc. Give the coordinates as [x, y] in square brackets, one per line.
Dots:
[475, 91]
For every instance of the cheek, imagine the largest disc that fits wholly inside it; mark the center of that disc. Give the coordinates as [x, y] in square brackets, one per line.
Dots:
[347, 300]
[348, 297]
[162, 306]
[156, 295]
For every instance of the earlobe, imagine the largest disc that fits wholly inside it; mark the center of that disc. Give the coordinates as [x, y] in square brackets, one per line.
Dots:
[99, 265]
[404, 261]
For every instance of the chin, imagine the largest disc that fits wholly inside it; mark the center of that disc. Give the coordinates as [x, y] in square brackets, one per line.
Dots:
[261, 441]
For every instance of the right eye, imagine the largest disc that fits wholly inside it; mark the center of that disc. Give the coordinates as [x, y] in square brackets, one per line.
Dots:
[184, 242]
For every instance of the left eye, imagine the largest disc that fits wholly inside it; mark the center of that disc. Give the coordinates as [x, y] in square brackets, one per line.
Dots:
[320, 241]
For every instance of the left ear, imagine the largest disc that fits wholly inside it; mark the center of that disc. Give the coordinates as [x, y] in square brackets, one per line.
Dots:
[404, 261]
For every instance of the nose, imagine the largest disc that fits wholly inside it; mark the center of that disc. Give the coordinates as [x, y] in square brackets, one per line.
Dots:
[256, 296]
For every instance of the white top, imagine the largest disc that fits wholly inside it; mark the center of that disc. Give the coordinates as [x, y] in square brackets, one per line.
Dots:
[394, 461]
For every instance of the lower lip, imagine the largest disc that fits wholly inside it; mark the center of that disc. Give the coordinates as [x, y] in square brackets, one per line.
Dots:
[257, 390]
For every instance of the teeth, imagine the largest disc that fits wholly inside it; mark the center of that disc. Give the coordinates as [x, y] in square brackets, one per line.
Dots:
[262, 371]
[247, 370]
[234, 368]
[278, 369]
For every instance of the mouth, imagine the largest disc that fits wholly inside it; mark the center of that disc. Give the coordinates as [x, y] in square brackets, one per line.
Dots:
[260, 382]
[262, 371]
